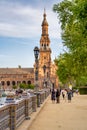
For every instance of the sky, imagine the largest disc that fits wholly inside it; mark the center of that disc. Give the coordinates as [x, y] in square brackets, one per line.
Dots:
[20, 31]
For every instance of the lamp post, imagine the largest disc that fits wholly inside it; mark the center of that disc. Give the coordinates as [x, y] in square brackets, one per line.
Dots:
[44, 69]
[1, 86]
[0, 89]
[36, 54]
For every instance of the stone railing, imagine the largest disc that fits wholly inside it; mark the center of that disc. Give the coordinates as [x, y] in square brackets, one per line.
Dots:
[13, 114]
[19, 112]
[5, 117]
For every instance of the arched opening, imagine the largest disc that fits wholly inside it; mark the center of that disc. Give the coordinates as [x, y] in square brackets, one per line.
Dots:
[24, 82]
[8, 83]
[44, 46]
[47, 74]
[18, 82]
[2, 83]
[29, 82]
[13, 83]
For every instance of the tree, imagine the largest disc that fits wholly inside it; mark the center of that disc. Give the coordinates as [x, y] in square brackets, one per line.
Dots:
[23, 86]
[73, 18]
[30, 86]
[64, 70]
[14, 87]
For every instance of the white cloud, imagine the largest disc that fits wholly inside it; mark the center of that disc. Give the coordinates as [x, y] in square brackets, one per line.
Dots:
[5, 56]
[25, 21]
[13, 30]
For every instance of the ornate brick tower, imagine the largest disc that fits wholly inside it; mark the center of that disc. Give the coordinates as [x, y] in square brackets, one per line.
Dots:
[46, 68]
[45, 54]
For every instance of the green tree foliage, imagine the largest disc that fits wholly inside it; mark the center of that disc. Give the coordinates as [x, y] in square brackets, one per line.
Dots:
[26, 86]
[30, 86]
[73, 18]
[23, 86]
[64, 71]
[14, 87]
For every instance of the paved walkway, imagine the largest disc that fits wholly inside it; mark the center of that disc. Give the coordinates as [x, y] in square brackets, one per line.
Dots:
[63, 116]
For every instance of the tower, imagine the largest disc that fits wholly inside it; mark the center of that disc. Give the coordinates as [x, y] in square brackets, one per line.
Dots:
[45, 53]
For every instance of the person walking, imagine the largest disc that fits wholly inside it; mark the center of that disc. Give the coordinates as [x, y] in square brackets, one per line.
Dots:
[58, 96]
[53, 95]
[69, 94]
[64, 94]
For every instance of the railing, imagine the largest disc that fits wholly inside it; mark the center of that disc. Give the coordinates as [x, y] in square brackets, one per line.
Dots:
[20, 113]
[12, 115]
[34, 103]
[5, 118]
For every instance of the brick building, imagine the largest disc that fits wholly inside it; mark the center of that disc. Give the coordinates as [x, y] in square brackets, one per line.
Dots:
[14, 76]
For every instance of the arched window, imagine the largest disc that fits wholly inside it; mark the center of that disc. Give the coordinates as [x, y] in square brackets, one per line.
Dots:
[44, 46]
[47, 74]
[44, 57]
[8, 83]
[24, 82]
[29, 82]
[3, 83]
[13, 82]
[18, 82]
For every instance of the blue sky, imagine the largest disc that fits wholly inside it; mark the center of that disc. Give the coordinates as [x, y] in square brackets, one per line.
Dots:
[20, 31]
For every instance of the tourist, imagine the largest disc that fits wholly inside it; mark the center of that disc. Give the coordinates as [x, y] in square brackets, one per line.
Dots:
[53, 95]
[64, 94]
[69, 94]
[58, 96]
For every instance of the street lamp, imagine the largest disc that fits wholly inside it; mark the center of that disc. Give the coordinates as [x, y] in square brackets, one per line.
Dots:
[0, 86]
[0, 89]
[36, 54]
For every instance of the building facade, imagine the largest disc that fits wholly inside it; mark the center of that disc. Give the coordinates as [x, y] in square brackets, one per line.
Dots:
[46, 68]
[14, 76]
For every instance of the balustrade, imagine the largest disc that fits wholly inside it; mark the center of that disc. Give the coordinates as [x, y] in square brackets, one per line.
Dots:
[5, 118]
[20, 113]
[13, 114]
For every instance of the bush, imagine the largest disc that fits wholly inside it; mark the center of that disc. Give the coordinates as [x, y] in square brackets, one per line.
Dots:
[83, 90]
[14, 87]
[30, 86]
[23, 86]
[26, 86]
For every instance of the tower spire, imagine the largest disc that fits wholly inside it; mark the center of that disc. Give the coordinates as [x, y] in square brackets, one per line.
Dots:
[44, 11]
[44, 19]
[44, 16]
[45, 41]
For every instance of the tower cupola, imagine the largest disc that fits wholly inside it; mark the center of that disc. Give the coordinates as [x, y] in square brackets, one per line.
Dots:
[44, 41]
[44, 23]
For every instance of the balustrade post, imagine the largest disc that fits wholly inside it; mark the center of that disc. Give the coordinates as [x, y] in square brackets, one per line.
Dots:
[27, 109]
[13, 117]
[34, 103]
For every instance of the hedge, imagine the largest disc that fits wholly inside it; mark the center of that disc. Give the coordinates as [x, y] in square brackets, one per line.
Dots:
[83, 90]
